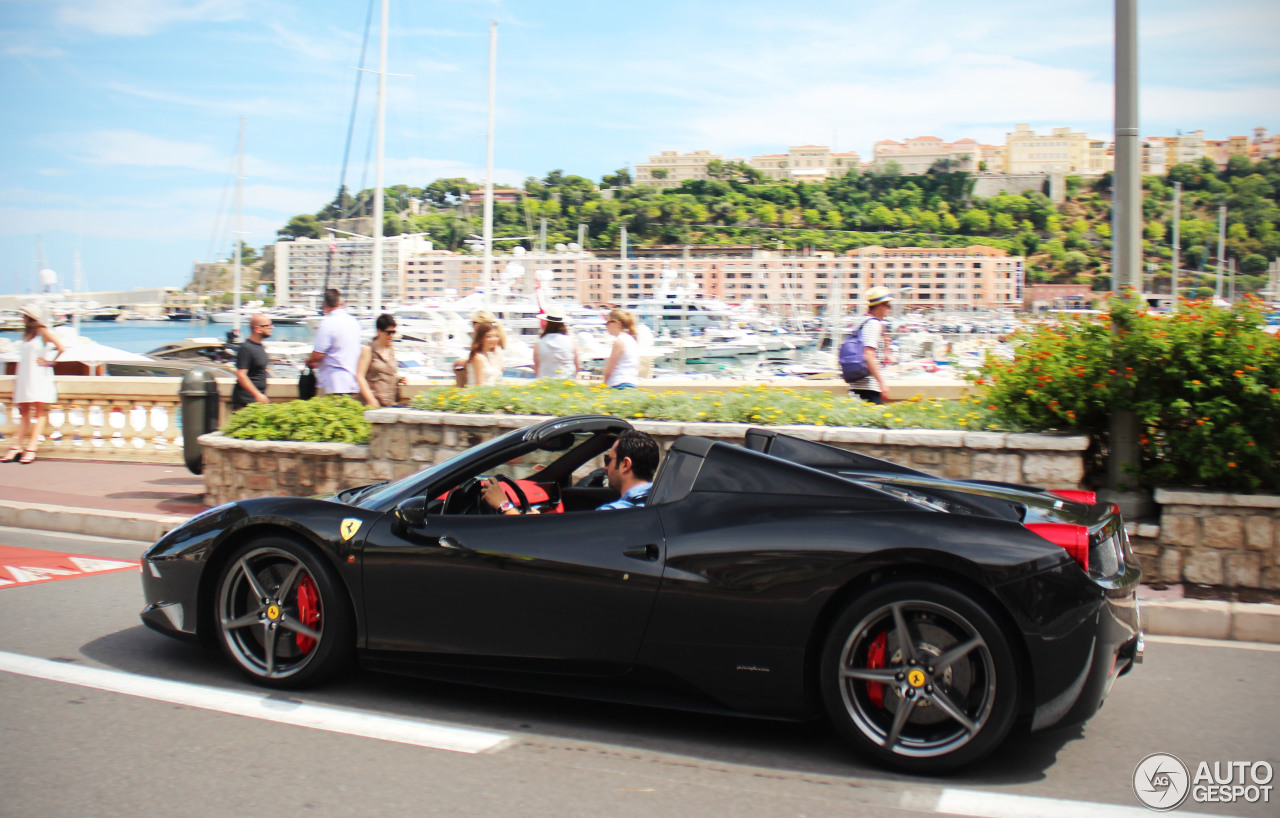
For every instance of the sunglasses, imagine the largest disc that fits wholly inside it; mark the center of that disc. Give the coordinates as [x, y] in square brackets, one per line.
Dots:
[391, 331]
[608, 460]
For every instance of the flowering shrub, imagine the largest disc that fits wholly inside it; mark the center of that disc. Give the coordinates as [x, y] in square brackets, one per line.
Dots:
[1204, 382]
[763, 405]
[329, 419]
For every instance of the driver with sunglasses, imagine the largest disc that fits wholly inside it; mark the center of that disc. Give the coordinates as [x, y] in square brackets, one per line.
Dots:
[629, 465]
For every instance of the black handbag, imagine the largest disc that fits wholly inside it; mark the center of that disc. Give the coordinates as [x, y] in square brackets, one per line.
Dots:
[307, 384]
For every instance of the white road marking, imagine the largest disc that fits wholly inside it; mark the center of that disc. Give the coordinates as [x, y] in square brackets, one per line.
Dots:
[1198, 642]
[94, 565]
[318, 717]
[1003, 805]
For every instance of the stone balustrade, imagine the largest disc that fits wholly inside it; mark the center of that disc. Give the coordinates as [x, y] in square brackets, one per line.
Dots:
[106, 418]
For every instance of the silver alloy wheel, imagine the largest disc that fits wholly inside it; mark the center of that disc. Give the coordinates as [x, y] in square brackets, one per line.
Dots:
[936, 678]
[267, 625]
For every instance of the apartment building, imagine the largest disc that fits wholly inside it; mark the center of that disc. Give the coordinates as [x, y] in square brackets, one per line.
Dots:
[975, 277]
[1155, 155]
[1263, 146]
[805, 163]
[303, 266]
[438, 275]
[917, 155]
[1061, 151]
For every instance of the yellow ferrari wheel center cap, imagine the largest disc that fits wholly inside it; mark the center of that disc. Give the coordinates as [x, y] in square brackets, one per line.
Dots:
[916, 678]
[273, 613]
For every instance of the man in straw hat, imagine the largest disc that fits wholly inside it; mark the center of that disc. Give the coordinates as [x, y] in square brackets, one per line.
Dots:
[874, 388]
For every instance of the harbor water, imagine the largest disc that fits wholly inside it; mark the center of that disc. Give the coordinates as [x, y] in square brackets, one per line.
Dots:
[143, 336]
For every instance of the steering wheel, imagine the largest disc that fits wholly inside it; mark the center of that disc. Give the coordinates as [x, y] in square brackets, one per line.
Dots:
[515, 487]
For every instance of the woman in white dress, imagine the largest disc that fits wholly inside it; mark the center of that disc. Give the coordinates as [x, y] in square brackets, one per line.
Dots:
[33, 388]
[556, 355]
[622, 370]
[486, 362]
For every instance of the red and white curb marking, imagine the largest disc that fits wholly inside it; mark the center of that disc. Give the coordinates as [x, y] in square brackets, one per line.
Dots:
[28, 566]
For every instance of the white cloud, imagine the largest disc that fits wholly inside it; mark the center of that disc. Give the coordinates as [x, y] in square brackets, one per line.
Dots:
[134, 149]
[33, 51]
[137, 18]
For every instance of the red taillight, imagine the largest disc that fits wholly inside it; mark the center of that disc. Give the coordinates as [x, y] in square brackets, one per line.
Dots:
[1076, 495]
[1073, 538]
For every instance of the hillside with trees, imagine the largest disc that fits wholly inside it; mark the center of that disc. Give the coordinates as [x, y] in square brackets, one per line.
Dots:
[1067, 243]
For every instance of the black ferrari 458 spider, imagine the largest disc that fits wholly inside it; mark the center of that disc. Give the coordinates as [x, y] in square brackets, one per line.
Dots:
[781, 578]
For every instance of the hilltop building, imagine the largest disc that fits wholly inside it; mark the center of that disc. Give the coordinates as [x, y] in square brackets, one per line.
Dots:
[917, 155]
[1062, 151]
[670, 169]
[805, 163]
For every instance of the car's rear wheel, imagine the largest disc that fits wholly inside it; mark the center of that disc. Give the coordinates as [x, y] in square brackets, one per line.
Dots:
[920, 677]
[280, 614]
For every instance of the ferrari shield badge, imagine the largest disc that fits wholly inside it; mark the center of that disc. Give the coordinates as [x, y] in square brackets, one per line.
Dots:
[349, 527]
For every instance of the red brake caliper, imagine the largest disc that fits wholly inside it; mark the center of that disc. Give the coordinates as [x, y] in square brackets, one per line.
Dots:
[875, 658]
[309, 612]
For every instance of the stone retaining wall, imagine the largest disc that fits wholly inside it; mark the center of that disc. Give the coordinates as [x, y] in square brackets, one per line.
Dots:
[1212, 539]
[1230, 540]
[405, 440]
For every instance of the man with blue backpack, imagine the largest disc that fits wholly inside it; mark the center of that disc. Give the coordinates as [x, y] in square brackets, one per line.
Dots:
[862, 353]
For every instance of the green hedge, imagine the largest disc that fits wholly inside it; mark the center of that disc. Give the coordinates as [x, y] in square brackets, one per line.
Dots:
[330, 419]
[764, 405]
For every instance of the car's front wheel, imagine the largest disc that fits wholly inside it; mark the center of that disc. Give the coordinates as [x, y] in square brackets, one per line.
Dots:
[920, 677]
[280, 614]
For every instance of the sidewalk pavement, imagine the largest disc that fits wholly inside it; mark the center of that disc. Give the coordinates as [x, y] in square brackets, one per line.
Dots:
[142, 501]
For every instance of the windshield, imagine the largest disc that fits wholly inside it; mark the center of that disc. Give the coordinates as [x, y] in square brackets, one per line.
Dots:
[393, 489]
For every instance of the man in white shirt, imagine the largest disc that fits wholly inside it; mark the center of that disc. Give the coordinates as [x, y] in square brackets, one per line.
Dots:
[336, 355]
[874, 388]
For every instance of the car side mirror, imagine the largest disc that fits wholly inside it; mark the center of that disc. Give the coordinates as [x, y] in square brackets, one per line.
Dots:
[412, 512]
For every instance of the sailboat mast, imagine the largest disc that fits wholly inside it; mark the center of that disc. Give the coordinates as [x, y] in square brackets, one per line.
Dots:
[488, 164]
[79, 285]
[375, 296]
[239, 237]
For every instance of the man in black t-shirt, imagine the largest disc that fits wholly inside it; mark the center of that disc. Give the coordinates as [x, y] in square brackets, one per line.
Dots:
[251, 365]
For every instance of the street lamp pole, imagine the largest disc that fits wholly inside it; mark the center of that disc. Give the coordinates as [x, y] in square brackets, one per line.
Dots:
[1125, 430]
[1127, 214]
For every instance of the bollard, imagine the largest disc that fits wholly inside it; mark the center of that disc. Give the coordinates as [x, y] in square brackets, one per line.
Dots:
[200, 405]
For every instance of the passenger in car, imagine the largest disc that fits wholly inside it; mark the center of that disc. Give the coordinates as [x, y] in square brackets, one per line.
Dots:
[629, 465]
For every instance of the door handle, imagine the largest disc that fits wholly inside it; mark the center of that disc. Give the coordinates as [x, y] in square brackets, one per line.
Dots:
[449, 542]
[648, 553]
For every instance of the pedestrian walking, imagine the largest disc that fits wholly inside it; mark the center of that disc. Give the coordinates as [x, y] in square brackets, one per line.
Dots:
[486, 362]
[556, 353]
[378, 372]
[34, 389]
[622, 370]
[336, 355]
[252, 365]
[874, 388]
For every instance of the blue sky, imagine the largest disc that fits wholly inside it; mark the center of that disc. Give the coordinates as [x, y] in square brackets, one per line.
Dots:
[121, 115]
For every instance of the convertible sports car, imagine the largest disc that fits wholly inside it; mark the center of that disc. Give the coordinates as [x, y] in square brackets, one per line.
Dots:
[782, 578]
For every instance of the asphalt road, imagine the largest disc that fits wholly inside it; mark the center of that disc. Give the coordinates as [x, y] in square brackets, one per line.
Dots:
[76, 750]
